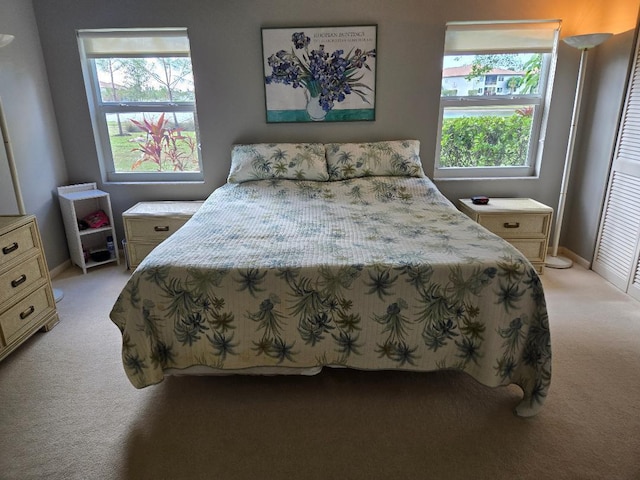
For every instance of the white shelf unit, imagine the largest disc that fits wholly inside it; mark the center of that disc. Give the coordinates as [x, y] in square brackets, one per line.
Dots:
[76, 202]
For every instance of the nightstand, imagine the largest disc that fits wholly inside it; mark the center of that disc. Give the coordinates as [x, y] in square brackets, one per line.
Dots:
[147, 224]
[523, 222]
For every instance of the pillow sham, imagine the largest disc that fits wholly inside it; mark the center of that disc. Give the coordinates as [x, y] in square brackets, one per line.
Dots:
[394, 158]
[294, 161]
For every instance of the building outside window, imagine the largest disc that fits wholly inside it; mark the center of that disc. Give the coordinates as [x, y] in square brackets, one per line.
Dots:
[142, 101]
[492, 123]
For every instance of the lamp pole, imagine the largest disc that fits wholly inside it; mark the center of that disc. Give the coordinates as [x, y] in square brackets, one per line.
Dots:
[12, 163]
[584, 43]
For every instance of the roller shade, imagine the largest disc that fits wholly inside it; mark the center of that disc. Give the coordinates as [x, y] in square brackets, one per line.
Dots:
[167, 42]
[512, 37]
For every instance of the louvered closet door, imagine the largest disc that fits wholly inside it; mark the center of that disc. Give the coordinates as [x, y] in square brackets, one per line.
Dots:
[617, 256]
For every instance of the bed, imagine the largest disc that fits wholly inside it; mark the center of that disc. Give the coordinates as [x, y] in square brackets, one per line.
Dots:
[340, 255]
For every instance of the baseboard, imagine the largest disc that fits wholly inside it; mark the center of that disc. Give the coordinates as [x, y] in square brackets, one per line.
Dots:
[54, 272]
[576, 258]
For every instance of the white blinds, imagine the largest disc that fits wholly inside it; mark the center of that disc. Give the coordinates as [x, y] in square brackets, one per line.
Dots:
[508, 37]
[164, 42]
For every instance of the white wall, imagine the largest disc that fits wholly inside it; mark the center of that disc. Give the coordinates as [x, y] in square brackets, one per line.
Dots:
[31, 123]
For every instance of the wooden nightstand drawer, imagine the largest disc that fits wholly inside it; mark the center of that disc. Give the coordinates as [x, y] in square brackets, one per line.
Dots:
[21, 277]
[534, 250]
[17, 242]
[137, 252]
[516, 225]
[26, 313]
[152, 229]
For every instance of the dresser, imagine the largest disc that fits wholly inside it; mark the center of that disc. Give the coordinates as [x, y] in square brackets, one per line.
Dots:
[523, 222]
[26, 297]
[147, 224]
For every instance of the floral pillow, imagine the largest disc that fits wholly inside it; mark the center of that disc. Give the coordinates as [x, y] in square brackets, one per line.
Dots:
[393, 158]
[294, 161]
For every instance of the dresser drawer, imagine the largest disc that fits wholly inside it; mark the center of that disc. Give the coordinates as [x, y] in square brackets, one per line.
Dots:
[534, 250]
[26, 313]
[17, 242]
[21, 277]
[152, 229]
[516, 225]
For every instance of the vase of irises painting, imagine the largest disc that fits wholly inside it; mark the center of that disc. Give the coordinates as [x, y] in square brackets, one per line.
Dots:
[326, 76]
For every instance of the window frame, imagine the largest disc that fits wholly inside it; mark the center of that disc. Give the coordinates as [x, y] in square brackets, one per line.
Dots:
[539, 102]
[99, 109]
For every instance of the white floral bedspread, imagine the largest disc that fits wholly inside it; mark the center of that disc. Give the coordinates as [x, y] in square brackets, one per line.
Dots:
[368, 273]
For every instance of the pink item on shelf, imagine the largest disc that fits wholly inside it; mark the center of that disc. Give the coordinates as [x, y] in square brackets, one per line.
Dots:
[97, 219]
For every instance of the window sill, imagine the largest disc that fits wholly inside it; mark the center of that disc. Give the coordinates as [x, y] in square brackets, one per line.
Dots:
[154, 182]
[491, 179]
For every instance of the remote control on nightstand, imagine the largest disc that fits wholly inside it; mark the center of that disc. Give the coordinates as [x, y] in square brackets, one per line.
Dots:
[480, 200]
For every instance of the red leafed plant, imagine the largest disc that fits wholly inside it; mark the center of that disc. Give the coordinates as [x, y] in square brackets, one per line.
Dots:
[163, 144]
[525, 111]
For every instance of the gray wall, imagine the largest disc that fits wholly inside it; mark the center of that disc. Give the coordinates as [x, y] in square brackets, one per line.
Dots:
[32, 127]
[607, 65]
[226, 55]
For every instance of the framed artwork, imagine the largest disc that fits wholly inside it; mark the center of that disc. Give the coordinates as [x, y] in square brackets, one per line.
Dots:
[320, 74]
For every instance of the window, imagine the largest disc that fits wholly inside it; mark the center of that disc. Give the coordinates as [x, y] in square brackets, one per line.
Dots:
[142, 100]
[491, 125]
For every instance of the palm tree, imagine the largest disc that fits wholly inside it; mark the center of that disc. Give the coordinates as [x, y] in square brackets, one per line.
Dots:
[514, 83]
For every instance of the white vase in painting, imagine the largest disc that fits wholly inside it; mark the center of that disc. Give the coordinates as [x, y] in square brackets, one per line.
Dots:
[314, 109]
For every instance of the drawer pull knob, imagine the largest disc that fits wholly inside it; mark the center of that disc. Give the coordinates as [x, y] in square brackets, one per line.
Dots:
[27, 312]
[161, 229]
[21, 279]
[511, 224]
[10, 248]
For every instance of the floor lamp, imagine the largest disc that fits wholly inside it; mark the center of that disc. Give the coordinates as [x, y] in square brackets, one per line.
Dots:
[583, 43]
[6, 40]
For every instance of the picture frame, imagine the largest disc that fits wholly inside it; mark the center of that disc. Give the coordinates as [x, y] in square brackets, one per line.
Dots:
[320, 74]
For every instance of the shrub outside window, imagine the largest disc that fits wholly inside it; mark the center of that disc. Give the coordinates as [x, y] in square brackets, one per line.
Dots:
[494, 96]
[141, 96]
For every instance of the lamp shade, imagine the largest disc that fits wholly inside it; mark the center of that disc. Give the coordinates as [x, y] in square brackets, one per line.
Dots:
[5, 39]
[587, 41]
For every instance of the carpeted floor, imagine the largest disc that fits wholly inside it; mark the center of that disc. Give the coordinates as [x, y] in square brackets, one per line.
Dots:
[67, 410]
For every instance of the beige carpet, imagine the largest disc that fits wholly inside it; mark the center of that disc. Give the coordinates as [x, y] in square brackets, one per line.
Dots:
[67, 410]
